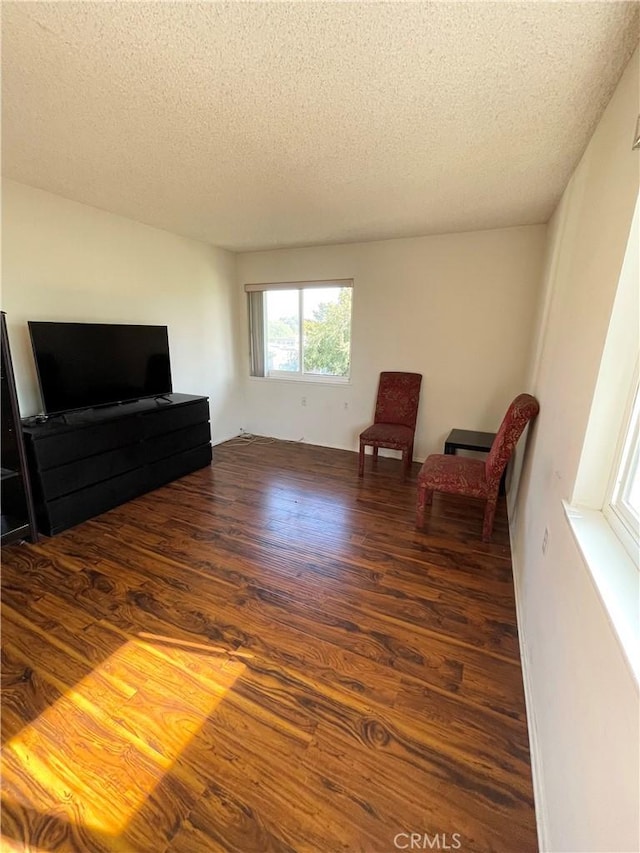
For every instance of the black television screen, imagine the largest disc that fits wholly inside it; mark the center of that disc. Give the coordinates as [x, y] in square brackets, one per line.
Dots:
[81, 365]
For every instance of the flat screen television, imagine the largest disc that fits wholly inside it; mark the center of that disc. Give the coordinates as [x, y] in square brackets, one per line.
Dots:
[82, 365]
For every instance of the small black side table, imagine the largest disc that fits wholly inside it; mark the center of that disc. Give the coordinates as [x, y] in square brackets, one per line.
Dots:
[467, 439]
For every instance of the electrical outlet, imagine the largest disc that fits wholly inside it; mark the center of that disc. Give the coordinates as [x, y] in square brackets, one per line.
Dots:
[545, 540]
[346, 406]
[303, 401]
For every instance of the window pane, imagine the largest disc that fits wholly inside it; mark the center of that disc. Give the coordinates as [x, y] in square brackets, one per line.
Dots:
[625, 500]
[283, 330]
[630, 482]
[634, 488]
[327, 330]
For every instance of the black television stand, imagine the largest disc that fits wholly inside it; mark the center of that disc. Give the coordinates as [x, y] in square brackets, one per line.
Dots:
[97, 459]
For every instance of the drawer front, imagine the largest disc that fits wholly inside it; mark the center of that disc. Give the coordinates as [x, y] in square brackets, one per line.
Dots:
[180, 440]
[174, 418]
[79, 506]
[79, 444]
[166, 470]
[65, 479]
[55, 450]
[71, 509]
[87, 472]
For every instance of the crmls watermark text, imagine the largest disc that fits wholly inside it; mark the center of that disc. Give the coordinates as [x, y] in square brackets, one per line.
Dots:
[424, 841]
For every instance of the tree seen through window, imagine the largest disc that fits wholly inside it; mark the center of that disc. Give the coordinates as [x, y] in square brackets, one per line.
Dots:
[325, 343]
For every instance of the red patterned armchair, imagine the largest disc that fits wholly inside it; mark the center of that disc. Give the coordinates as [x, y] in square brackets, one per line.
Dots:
[472, 477]
[394, 423]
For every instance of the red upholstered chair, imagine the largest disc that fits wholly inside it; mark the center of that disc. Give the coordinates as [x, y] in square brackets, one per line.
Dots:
[394, 423]
[473, 477]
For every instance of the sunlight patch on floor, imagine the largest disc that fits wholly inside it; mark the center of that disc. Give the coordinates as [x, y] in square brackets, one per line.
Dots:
[96, 754]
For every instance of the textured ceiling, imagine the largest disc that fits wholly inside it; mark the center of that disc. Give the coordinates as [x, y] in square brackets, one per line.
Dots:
[255, 125]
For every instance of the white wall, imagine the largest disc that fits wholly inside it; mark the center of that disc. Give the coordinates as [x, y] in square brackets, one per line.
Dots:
[66, 261]
[583, 698]
[457, 308]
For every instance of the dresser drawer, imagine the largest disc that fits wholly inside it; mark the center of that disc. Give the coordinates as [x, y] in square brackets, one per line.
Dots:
[69, 510]
[50, 452]
[64, 479]
[171, 419]
[161, 446]
[85, 472]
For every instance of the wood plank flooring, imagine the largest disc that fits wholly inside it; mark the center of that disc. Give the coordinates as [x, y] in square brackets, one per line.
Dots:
[266, 656]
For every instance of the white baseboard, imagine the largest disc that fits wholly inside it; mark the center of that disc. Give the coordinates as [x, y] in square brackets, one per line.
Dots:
[534, 749]
[391, 454]
[222, 440]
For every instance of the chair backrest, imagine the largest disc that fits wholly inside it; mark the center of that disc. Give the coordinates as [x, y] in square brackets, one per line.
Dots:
[398, 398]
[523, 409]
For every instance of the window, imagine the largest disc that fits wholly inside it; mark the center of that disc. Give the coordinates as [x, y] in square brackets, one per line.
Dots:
[608, 479]
[622, 507]
[300, 330]
[603, 513]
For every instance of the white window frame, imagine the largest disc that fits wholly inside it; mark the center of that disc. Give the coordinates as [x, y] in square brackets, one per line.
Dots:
[300, 375]
[617, 510]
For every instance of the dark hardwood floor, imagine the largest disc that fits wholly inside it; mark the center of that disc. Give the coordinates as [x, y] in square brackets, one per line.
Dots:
[266, 656]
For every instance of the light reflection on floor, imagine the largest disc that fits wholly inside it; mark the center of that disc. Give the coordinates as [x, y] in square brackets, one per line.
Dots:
[95, 755]
[283, 502]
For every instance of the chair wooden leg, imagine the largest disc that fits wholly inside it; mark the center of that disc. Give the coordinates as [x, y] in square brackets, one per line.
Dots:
[408, 460]
[361, 460]
[489, 515]
[422, 492]
[374, 451]
[425, 499]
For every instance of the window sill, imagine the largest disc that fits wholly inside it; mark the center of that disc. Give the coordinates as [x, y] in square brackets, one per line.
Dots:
[614, 574]
[336, 382]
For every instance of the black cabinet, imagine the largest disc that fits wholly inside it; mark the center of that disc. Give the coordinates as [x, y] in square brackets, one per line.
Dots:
[18, 521]
[87, 462]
